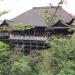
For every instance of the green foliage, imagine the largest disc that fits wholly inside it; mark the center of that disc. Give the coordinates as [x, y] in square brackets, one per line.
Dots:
[3, 47]
[5, 28]
[4, 12]
[4, 50]
[72, 29]
[43, 66]
[63, 50]
[50, 19]
[59, 59]
[68, 68]
[21, 67]
[19, 26]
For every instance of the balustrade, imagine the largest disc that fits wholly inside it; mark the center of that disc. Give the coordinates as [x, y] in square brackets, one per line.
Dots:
[19, 37]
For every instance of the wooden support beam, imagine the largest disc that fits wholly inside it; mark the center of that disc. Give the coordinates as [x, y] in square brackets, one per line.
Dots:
[43, 45]
[30, 45]
[23, 47]
[37, 45]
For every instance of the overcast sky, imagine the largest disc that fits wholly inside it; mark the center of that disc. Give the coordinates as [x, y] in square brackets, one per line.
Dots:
[17, 7]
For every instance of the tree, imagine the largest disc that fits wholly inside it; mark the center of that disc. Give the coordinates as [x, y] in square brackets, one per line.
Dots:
[4, 57]
[3, 12]
[20, 26]
[4, 48]
[63, 51]
[52, 18]
[21, 67]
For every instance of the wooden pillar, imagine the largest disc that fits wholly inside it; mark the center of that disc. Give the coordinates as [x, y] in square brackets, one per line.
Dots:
[39, 33]
[30, 45]
[17, 42]
[23, 46]
[43, 45]
[37, 45]
[34, 32]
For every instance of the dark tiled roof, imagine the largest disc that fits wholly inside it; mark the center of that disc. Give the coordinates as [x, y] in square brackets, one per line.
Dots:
[5, 22]
[34, 16]
[1, 21]
[60, 25]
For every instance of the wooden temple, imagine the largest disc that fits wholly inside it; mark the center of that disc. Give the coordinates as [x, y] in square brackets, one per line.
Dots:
[34, 38]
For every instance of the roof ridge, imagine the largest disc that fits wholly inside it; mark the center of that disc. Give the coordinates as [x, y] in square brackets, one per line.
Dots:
[44, 7]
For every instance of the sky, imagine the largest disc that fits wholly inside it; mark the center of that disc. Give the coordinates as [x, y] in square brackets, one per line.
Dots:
[16, 7]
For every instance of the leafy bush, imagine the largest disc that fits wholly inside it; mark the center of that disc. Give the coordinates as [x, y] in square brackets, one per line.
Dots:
[20, 26]
[3, 47]
[21, 67]
[63, 50]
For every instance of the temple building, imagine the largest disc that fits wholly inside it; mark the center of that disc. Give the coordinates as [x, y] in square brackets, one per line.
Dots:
[35, 37]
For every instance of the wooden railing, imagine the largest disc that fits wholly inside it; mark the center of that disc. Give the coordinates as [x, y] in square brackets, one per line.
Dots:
[4, 34]
[19, 37]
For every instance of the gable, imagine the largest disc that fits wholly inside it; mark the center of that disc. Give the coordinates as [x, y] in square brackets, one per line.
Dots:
[6, 22]
[60, 24]
[3, 22]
